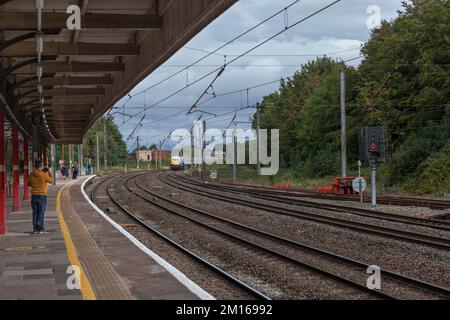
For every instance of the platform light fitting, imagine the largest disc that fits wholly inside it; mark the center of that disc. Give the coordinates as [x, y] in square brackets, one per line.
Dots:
[39, 70]
[39, 4]
[40, 88]
[42, 100]
[39, 42]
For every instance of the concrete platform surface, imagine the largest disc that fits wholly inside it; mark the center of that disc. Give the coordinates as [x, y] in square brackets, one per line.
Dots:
[83, 256]
[34, 266]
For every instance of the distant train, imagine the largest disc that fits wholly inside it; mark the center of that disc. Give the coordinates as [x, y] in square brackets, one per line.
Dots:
[176, 164]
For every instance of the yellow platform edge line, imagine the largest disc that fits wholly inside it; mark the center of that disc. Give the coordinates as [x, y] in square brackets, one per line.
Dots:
[86, 287]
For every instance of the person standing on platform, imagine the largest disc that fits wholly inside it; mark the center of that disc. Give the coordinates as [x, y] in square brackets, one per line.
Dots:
[74, 172]
[65, 172]
[38, 181]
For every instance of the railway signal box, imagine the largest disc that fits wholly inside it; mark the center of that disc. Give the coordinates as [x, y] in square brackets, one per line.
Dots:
[373, 144]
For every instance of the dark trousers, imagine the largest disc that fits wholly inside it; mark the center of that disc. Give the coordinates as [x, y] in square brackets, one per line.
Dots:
[38, 204]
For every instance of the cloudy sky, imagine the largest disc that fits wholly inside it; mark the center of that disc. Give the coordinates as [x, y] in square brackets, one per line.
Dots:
[338, 32]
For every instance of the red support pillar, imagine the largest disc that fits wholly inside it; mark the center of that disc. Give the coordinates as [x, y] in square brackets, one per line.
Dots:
[16, 172]
[3, 227]
[26, 161]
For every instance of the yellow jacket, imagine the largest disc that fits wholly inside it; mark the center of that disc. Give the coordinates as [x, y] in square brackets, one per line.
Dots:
[38, 182]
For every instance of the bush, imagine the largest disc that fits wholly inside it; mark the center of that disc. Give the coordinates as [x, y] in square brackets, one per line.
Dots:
[411, 154]
[435, 177]
[323, 163]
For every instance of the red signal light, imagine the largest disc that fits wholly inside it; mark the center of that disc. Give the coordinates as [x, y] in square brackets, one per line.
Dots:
[373, 147]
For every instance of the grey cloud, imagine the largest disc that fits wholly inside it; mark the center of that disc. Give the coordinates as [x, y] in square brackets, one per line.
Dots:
[338, 28]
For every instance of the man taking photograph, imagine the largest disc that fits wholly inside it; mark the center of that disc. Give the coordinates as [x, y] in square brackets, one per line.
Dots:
[38, 181]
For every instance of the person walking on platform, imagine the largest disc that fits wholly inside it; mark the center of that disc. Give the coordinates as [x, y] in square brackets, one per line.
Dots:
[38, 181]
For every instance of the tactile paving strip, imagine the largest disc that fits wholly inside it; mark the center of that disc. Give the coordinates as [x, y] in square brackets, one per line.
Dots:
[107, 284]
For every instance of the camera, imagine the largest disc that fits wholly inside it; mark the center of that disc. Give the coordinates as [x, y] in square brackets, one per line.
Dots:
[45, 169]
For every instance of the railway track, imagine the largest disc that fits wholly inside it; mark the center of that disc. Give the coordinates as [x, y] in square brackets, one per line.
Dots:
[332, 260]
[420, 238]
[141, 191]
[270, 195]
[222, 273]
[382, 199]
[241, 239]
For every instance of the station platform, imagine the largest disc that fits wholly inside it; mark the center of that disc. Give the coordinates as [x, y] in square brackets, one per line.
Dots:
[82, 257]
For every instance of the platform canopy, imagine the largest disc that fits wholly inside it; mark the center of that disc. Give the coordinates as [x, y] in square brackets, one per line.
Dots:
[85, 72]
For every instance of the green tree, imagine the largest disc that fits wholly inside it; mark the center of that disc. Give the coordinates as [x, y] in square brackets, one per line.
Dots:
[117, 149]
[403, 83]
[281, 108]
[406, 85]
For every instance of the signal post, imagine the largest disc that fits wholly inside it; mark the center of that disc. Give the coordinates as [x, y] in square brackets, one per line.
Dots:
[372, 149]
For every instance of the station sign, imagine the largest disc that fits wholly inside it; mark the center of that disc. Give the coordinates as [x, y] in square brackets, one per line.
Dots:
[359, 185]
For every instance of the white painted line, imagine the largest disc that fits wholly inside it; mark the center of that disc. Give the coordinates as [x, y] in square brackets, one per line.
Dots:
[188, 283]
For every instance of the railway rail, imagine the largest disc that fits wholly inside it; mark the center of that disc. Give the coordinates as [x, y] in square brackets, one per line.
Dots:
[382, 199]
[141, 191]
[269, 195]
[339, 259]
[222, 273]
[424, 239]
